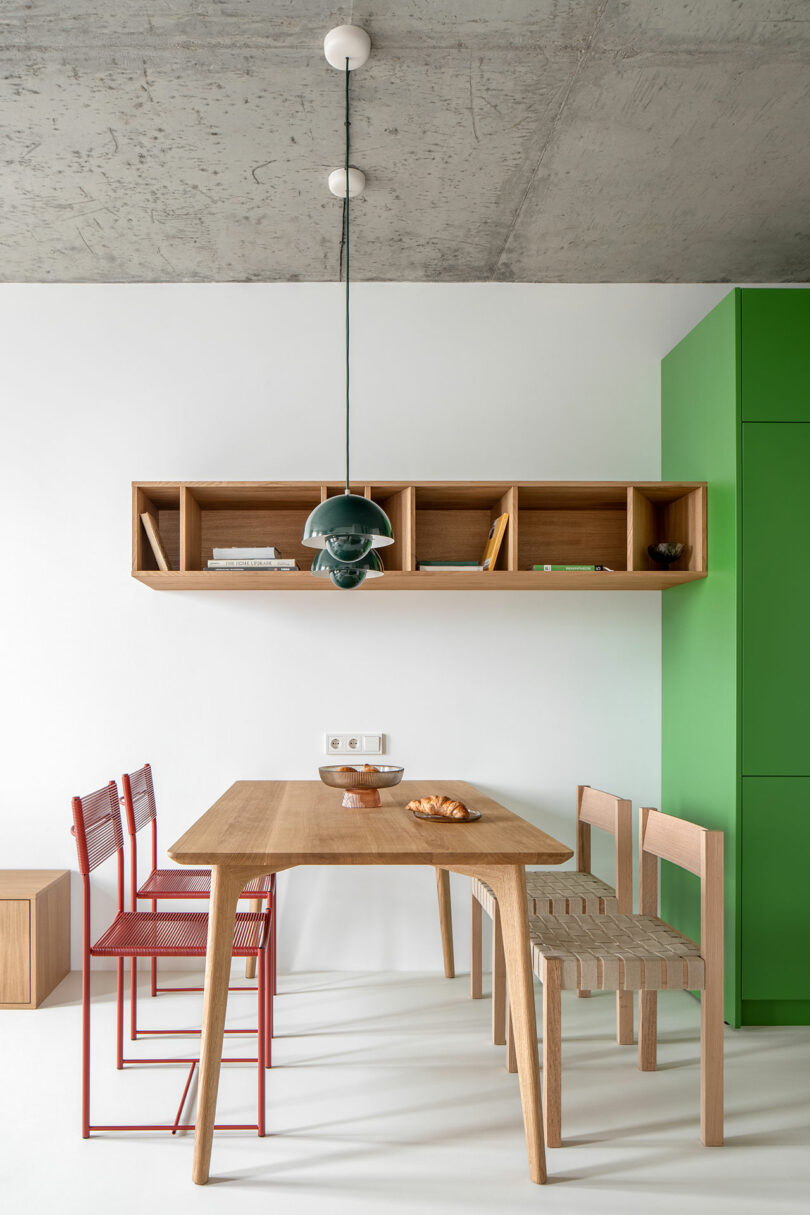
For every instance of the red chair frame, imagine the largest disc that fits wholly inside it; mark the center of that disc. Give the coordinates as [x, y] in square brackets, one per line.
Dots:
[178, 883]
[98, 833]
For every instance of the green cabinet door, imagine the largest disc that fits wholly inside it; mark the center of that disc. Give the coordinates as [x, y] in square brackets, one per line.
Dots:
[776, 599]
[775, 351]
[775, 906]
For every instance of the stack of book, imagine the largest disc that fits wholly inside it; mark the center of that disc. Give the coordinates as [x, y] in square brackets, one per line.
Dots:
[266, 558]
[582, 569]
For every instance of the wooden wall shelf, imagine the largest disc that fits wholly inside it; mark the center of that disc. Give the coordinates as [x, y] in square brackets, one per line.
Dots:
[552, 522]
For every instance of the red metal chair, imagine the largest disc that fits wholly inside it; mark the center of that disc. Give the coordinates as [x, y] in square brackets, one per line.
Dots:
[98, 833]
[180, 883]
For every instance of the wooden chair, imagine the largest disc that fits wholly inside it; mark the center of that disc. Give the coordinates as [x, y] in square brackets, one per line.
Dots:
[643, 953]
[563, 893]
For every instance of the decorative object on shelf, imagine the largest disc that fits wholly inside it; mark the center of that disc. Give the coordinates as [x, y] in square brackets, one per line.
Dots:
[361, 785]
[436, 808]
[665, 553]
[150, 526]
[494, 540]
[348, 526]
[346, 575]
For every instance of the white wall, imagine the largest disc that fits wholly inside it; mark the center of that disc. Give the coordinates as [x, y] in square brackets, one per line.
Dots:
[523, 694]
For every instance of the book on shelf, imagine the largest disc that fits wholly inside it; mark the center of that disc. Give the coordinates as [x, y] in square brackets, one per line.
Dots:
[150, 526]
[459, 567]
[266, 553]
[254, 563]
[583, 569]
[494, 541]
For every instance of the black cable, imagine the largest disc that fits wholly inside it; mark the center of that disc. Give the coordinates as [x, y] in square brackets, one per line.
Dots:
[346, 210]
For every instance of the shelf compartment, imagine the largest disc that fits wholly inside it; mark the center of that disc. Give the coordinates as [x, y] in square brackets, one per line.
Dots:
[214, 518]
[572, 524]
[164, 503]
[452, 522]
[676, 513]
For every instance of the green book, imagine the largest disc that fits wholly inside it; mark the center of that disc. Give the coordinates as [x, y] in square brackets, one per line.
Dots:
[563, 568]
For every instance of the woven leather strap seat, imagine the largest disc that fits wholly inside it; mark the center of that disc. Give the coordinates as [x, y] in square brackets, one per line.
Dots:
[616, 953]
[566, 893]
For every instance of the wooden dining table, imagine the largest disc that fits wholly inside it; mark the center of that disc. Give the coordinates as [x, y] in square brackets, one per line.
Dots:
[260, 827]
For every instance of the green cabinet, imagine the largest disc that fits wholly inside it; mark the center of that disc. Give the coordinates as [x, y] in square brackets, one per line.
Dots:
[736, 647]
[775, 599]
[775, 909]
[775, 384]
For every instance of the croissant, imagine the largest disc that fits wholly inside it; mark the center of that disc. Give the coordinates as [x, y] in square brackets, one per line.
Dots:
[438, 804]
[347, 769]
[369, 768]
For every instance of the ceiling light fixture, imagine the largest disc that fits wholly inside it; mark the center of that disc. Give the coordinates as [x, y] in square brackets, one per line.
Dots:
[347, 527]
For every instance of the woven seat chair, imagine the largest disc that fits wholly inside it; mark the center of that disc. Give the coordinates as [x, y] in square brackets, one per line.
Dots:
[550, 893]
[627, 953]
[179, 883]
[99, 836]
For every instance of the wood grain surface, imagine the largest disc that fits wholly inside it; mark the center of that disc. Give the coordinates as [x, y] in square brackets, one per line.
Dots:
[280, 824]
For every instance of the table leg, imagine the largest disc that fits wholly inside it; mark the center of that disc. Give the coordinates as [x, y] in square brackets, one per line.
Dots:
[226, 886]
[509, 884]
[446, 921]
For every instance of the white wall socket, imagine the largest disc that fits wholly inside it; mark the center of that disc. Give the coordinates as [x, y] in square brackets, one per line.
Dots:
[354, 744]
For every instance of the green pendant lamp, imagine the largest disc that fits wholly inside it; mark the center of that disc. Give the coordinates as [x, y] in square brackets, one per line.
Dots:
[346, 575]
[347, 527]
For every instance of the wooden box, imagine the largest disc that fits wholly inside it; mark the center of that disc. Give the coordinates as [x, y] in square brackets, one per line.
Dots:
[34, 934]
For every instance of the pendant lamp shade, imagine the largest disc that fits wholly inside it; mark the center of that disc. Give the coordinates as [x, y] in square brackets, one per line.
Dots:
[348, 526]
[347, 575]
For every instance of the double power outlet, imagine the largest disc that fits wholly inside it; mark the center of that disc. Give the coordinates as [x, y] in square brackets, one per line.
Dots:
[354, 744]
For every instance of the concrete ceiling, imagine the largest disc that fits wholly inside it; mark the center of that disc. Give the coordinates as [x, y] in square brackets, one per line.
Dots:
[506, 140]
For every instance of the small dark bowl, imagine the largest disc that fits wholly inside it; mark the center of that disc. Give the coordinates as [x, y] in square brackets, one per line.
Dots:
[665, 553]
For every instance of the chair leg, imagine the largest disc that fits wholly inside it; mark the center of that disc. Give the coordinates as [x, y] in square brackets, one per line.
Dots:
[711, 1065]
[266, 961]
[584, 995]
[446, 921]
[498, 982]
[624, 1018]
[86, 1049]
[552, 1052]
[250, 963]
[119, 1014]
[511, 1057]
[133, 999]
[261, 1042]
[154, 960]
[476, 948]
[273, 940]
[647, 1030]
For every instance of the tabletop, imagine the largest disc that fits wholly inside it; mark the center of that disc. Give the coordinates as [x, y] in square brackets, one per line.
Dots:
[287, 823]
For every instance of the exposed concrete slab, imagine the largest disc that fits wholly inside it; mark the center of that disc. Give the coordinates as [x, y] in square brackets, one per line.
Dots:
[559, 140]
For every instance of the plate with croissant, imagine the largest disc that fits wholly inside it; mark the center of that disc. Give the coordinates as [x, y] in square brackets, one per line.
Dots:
[435, 808]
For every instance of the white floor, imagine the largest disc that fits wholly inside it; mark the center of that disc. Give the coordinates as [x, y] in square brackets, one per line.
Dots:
[387, 1095]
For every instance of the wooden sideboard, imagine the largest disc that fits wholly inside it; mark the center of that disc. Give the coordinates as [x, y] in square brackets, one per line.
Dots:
[34, 934]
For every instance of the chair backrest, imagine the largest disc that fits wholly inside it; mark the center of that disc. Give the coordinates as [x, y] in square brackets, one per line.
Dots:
[97, 827]
[139, 798]
[140, 809]
[99, 835]
[691, 847]
[614, 815]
